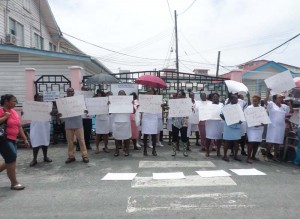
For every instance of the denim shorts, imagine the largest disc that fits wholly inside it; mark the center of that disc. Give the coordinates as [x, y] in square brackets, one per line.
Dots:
[8, 150]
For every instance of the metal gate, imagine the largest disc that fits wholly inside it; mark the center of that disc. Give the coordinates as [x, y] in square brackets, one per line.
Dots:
[52, 83]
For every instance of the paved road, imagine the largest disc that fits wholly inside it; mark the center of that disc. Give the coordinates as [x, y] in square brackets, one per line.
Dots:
[59, 190]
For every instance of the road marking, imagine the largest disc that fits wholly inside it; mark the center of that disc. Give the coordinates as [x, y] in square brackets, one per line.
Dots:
[189, 202]
[164, 164]
[189, 181]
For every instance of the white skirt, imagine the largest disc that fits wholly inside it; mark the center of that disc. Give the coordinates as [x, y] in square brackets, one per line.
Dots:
[121, 130]
[149, 124]
[102, 126]
[39, 133]
[192, 128]
[169, 124]
[214, 129]
[255, 134]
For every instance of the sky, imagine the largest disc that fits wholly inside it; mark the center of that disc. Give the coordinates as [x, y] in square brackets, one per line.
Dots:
[143, 32]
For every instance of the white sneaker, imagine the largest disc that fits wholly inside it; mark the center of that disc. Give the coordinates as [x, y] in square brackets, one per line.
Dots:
[150, 146]
[159, 144]
[138, 145]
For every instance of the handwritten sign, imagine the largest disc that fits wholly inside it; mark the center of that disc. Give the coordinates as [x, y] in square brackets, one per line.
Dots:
[71, 106]
[86, 94]
[128, 88]
[235, 87]
[150, 103]
[50, 96]
[280, 82]
[233, 113]
[180, 107]
[210, 111]
[120, 104]
[37, 111]
[256, 116]
[97, 105]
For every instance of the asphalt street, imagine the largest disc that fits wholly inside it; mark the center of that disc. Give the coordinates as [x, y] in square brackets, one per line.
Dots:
[75, 190]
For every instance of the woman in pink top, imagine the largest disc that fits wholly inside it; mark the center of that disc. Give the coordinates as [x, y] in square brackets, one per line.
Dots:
[8, 148]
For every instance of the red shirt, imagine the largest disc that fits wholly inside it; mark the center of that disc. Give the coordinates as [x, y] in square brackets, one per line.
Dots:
[13, 123]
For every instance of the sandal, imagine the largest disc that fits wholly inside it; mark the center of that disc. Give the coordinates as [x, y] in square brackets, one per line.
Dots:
[116, 154]
[105, 150]
[126, 154]
[249, 161]
[225, 159]
[17, 187]
[237, 159]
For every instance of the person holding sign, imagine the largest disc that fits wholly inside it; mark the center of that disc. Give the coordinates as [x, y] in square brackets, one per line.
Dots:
[180, 124]
[276, 130]
[214, 128]
[102, 127]
[149, 127]
[121, 129]
[74, 126]
[254, 133]
[39, 136]
[232, 133]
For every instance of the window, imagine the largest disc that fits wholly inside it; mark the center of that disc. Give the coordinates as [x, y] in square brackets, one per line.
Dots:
[26, 5]
[17, 29]
[38, 41]
[52, 47]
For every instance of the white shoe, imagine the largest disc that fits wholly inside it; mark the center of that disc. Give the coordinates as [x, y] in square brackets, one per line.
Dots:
[159, 144]
[150, 146]
[138, 145]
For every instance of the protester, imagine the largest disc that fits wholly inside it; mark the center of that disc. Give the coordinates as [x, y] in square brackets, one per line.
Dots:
[180, 124]
[8, 147]
[214, 128]
[276, 130]
[87, 126]
[201, 124]
[74, 127]
[39, 136]
[102, 127]
[134, 127]
[231, 133]
[149, 127]
[193, 121]
[121, 129]
[254, 133]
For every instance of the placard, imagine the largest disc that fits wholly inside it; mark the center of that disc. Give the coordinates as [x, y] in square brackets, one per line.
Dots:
[295, 118]
[150, 103]
[280, 82]
[255, 116]
[37, 111]
[85, 93]
[180, 107]
[120, 104]
[235, 87]
[71, 106]
[128, 88]
[97, 105]
[209, 111]
[233, 113]
[49, 96]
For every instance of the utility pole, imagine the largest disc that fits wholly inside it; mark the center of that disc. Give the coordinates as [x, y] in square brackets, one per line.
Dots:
[218, 64]
[177, 62]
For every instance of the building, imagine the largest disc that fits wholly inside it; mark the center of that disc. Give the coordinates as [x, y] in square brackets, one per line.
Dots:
[253, 74]
[31, 38]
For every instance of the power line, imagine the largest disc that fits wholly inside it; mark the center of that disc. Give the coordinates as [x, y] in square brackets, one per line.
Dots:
[170, 11]
[187, 8]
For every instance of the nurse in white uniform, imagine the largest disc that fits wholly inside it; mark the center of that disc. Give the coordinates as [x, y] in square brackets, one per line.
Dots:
[149, 127]
[39, 136]
[254, 133]
[276, 130]
[121, 129]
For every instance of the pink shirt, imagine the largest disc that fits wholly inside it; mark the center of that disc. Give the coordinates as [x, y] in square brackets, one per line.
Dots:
[13, 123]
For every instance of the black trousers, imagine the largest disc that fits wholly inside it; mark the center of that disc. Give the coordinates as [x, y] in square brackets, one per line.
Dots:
[87, 128]
[183, 134]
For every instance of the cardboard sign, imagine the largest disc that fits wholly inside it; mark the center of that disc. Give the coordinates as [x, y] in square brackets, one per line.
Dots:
[49, 96]
[128, 88]
[180, 107]
[210, 111]
[71, 106]
[280, 82]
[233, 113]
[86, 94]
[150, 103]
[255, 116]
[235, 87]
[97, 105]
[37, 111]
[120, 104]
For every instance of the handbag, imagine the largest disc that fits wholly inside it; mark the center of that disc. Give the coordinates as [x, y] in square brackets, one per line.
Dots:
[3, 133]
